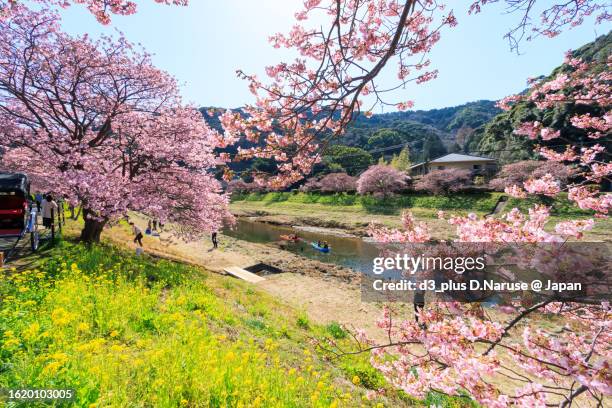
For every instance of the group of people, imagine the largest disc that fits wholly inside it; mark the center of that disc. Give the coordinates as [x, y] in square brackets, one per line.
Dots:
[153, 225]
[322, 244]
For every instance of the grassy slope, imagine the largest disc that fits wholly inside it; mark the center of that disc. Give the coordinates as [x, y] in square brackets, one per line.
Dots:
[126, 331]
[427, 204]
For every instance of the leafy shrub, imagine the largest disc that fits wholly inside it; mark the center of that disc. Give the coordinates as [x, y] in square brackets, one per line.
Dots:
[336, 331]
[303, 322]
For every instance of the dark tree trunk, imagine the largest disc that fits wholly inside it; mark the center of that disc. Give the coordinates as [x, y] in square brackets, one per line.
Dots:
[93, 227]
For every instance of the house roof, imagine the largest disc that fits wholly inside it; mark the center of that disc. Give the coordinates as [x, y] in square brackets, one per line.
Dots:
[456, 158]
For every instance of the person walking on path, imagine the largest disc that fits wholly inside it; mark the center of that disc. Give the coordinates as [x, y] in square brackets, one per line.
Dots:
[137, 234]
[214, 239]
[38, 198]
[48, 208]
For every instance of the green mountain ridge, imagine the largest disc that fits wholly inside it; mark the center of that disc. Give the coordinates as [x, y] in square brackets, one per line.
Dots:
[478, 127]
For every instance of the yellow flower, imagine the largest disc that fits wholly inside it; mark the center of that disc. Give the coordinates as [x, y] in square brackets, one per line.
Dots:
[23, 289]
[117, 348]
[52, 367]
[230, 356]
[356, 380]
[184, 402]
[320, 385]
[83, 327]
[114, 333]
[61, 317]
[380, 405]
[31, 331]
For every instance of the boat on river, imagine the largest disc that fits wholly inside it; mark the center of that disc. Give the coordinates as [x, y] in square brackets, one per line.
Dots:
[290, 238]
[319, 248]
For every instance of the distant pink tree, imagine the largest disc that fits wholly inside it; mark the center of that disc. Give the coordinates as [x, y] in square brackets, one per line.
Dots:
[98, 124]
[445, 181]
[519, 172]
[382, 181]
[101, 9]
[312, 184]
[338, 183]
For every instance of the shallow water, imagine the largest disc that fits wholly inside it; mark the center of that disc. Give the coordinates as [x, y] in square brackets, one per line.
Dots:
[351, 252]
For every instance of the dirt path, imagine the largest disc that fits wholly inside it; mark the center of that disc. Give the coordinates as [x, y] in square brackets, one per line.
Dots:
[325, 292]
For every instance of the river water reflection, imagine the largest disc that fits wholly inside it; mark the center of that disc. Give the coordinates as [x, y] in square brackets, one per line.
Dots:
[352, 252]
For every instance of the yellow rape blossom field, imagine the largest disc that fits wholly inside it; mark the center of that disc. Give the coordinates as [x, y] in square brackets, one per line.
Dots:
[127, 331]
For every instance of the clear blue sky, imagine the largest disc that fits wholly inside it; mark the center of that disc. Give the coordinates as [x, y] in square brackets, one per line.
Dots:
[203, 44]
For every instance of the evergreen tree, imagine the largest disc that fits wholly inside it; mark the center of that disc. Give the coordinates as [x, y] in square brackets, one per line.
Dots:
[401, 161]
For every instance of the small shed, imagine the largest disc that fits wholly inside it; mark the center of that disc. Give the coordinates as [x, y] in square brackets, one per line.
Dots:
[477, 164]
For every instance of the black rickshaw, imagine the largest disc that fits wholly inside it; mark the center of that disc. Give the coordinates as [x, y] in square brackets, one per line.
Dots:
[18, 213]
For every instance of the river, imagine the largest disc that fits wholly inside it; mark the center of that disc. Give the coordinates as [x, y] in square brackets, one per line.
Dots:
[351, 252]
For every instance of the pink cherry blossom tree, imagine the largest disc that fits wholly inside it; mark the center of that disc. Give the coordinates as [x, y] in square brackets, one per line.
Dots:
[453, 348]
[382, 181]
[98, 124]
[517, 173]
[581, 84]
[305, 104]
[445, 181]
[309, 102]
[241, 187]
[338, 183]
[101, 9]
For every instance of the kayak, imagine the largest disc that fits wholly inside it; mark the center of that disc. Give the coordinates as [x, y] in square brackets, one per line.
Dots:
[289, 238]
[318, 248]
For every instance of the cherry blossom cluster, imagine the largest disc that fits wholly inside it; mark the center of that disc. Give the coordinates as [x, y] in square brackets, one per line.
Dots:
[580, 84]
[101, 9]
[96, 123]
[308, 102]
[553, 16]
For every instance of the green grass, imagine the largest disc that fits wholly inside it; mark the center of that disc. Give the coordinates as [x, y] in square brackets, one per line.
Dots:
[482, 202]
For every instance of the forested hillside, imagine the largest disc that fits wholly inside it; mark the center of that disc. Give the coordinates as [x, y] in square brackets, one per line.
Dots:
[496, 138]
[478, 127]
